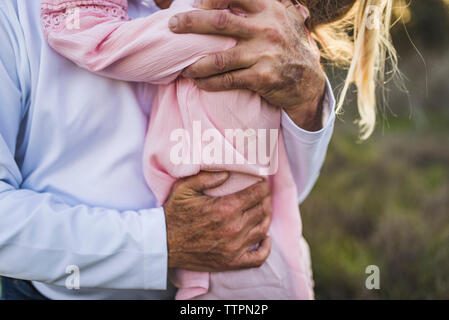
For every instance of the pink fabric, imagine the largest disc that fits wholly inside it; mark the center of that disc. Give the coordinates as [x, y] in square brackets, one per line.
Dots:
[107, 42]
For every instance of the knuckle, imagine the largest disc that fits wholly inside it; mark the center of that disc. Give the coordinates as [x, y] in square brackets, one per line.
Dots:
[232, 82]
[270, 55]
[240, 198]
[216, 219]
[224, 60]
[215, 223]
[239, 83]
[273, 34]
[268, 78]
[233, 230]
[265, 76]
[226, 208]
[220, 62]
[221, 20]
[228, 80]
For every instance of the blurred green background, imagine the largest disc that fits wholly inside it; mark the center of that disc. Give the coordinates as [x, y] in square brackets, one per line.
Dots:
[385, 202]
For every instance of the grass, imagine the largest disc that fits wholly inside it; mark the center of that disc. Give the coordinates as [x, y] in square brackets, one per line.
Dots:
[383, 202]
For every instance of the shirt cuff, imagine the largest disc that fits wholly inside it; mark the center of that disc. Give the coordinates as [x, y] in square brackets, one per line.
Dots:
[155, 249]
[328, 119]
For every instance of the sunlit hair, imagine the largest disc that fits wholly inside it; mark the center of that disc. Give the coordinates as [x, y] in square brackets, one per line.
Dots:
[356, 34]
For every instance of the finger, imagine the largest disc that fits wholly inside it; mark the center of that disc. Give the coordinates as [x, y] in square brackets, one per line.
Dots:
[205, 180]
[258, 233]
[218, 22]
[255, 258]
[252, 217]
[249, 197]
[240, 79]
[257, 215]
[247, 5]
[218, 63]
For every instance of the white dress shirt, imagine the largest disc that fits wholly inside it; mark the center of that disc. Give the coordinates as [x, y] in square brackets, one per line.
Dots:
[72, 190]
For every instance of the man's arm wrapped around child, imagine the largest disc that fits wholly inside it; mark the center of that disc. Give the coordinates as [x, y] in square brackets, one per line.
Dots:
[99, 36]
[107, 42]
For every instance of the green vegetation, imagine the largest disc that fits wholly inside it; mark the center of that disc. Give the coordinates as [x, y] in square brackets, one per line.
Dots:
[385, 201]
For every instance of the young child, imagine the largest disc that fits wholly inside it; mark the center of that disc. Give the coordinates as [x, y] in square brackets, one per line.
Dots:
[196, 124]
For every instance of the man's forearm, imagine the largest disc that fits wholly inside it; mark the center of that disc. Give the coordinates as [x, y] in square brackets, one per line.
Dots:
[112, 249]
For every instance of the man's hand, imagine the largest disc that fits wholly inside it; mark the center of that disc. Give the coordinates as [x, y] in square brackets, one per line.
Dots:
[215, 234]
[273, 57]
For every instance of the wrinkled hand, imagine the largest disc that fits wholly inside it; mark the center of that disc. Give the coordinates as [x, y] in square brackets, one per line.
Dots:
[273, 57]
[215, 234]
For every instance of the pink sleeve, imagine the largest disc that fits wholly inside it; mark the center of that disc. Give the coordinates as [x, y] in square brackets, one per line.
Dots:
[99, 36]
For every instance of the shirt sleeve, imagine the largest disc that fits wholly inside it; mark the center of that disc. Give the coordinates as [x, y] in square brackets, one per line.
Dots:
[41, 236]
[107, 42]
[307, 150]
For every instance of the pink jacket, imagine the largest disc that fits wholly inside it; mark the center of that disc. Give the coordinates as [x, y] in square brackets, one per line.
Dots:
[192, 130]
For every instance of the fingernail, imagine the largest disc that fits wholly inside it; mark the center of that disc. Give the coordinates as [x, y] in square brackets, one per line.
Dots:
[173, 23]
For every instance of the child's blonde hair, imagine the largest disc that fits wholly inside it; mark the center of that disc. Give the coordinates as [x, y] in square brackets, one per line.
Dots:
[356, 33]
